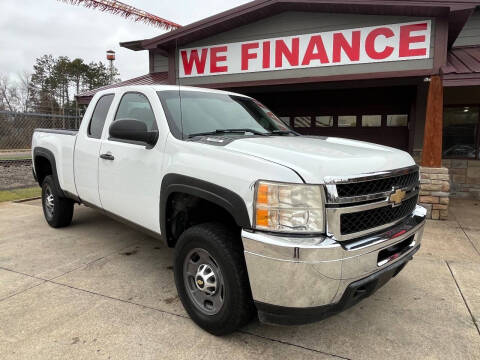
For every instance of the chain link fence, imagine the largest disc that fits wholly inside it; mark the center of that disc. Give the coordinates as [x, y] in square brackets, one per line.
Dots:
[16, 128]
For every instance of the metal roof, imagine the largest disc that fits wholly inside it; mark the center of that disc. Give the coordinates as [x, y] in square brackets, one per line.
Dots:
[148, 79]
[462, 67]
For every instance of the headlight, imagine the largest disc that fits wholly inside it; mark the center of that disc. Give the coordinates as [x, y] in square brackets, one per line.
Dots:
[289, 207]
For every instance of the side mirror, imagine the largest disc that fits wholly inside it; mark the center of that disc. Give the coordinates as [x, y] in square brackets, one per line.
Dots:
[135, 130]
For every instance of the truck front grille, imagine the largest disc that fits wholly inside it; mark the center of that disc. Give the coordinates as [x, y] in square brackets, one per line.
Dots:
[360, 205]
[377, 186]
[360, 221]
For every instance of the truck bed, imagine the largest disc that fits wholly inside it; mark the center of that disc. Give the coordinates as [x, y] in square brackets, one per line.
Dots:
[58, 145]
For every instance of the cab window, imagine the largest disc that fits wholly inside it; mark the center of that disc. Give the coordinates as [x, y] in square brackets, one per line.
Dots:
[135, 106]
[95, 127]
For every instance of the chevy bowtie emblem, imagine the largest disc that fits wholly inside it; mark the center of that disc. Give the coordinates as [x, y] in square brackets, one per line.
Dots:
[397, 197]
[199, 282]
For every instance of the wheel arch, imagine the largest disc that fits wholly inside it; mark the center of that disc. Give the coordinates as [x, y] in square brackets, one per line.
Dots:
[224, 198]
[44, 165]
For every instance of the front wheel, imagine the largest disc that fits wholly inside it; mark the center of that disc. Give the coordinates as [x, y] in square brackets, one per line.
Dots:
[58, 211]
[211, 278]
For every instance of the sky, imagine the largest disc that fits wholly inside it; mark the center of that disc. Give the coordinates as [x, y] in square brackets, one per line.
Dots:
[32, 28]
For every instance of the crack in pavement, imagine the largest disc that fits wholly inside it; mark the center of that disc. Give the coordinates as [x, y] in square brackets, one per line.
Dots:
[157, 310]
[21, 291]
[56, 277]
[468, 238]
[299, 346]
[463, 297]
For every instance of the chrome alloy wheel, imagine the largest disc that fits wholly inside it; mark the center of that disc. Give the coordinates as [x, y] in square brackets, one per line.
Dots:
[203, 281]
[49, 201]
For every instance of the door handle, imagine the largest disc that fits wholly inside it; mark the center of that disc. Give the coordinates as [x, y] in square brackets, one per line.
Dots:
[107, 156]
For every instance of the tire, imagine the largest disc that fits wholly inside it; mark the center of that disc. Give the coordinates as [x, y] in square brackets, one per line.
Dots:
[226, 259]
[58, 210]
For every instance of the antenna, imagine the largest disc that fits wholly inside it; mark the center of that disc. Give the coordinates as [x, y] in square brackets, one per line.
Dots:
[177, 77]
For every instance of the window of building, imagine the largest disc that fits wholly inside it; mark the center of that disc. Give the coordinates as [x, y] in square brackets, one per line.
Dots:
[99, 115]
[135, 106]
[301, 121]
[397, 120]
[461, 132]
[347, 121]
[324, 121]
[371, 120]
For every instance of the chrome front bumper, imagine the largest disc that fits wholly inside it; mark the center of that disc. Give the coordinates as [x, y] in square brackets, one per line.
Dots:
[307, 272]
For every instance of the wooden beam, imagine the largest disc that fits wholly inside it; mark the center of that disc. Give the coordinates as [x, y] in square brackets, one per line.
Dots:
[432, 137]
[172, 69]
[151, 62]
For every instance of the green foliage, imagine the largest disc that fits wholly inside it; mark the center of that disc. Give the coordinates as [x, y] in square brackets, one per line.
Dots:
[20, 194]
[55, 81]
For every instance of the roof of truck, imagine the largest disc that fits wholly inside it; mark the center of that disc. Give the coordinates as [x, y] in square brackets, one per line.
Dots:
[148, 79]
[145, 81]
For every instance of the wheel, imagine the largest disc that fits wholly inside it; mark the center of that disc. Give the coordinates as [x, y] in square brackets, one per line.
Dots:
[211, 278]
[58, 211]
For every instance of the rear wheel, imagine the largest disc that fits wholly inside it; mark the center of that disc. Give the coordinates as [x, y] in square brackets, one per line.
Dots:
[58, 211]
[211, 278]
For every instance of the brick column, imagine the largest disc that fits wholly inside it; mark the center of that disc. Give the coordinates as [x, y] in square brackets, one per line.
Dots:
[434, 179]
[435, 192]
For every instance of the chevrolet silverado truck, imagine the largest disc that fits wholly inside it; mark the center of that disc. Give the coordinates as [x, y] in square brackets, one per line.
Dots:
[262, 219]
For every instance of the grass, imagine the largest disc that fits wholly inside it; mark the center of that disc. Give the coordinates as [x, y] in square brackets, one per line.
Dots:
[6, 156]
[19, 194]
[18, 157]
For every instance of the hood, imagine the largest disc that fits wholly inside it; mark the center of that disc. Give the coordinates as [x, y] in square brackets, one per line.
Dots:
[317, 157]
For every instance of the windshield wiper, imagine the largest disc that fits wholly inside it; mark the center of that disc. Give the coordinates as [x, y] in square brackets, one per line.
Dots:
[283, 132]
[229, 131]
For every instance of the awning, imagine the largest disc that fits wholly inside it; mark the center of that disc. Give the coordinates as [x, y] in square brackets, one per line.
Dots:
[148, 79]
[463, 67]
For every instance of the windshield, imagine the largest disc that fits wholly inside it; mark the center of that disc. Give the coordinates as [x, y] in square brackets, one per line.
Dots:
[203, 112]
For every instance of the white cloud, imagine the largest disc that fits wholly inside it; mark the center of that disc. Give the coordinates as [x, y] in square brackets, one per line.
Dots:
[32, 28]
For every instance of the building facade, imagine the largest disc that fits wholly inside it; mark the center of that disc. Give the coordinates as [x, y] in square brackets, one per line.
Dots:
[400, 73]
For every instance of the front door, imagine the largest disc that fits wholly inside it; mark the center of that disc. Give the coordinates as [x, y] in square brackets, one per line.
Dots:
[129, 172]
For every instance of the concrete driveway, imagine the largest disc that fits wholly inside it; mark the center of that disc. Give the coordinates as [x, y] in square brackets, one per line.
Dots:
[99, 289]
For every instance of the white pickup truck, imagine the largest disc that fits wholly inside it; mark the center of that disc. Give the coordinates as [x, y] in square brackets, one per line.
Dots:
[262, 219]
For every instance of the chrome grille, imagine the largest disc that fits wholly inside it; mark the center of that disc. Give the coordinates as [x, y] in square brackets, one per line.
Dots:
[360, 205]
[359, 221]
[377, 186]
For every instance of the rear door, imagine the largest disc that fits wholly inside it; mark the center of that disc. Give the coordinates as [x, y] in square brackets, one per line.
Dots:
[130, 172]
[87, 150]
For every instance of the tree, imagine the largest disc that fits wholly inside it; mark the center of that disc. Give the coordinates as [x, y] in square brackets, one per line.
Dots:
[24, 82]
[43, 84]
[14, 94]
[98, 75]
[77, 72]
[55, 80]
[8, 94]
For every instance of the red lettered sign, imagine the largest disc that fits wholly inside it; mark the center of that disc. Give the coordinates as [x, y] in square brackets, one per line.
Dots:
[395, 42]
